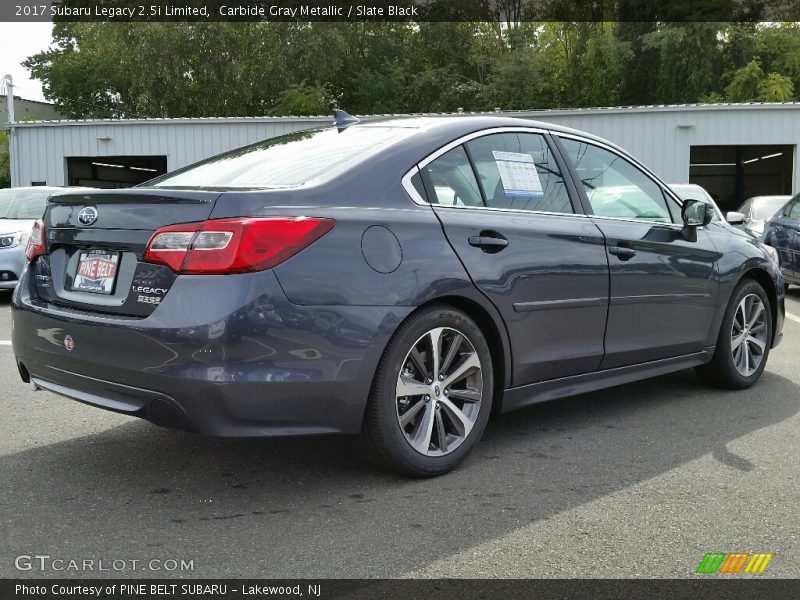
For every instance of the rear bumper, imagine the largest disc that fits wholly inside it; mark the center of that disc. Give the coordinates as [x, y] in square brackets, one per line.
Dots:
[225, 356]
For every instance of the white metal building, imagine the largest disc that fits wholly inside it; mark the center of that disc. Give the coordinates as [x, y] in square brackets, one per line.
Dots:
[734, 150]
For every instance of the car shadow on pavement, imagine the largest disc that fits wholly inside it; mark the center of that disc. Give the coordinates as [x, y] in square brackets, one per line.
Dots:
[314, 508]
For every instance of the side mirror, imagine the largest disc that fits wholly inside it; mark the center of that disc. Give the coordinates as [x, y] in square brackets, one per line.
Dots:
[735, 218]
[696, 213]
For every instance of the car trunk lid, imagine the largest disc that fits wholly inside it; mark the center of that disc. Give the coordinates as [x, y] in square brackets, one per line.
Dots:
[95, 243]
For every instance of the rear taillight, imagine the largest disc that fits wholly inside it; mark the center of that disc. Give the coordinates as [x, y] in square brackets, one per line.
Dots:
[36, 243]
[233, 245]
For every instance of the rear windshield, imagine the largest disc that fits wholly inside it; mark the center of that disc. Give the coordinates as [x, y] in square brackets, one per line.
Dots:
[288, 160]
[23, 204]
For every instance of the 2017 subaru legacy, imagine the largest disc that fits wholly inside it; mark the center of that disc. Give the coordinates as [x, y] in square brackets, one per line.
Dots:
[400, 279]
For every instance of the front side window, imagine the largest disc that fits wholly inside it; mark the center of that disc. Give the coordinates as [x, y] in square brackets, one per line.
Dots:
[614, 186]
[518, 171]
[451, 180]
[793, 210]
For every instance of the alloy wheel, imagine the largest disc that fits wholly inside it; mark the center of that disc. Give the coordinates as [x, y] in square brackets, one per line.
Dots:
[439, 391]
[749, 335]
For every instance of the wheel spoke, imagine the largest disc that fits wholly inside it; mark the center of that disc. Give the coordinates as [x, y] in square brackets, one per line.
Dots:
[757, 311]
[741, 315]
[465, 395]
[759, 344]
[457, 417]
[470, 363]
[410, 387]
[455, 344]
[422, 439]
[738, 355]
[746, 351]
[412, 412]
[419, 363]
[440, 432]
[737, 341]
[436, 350]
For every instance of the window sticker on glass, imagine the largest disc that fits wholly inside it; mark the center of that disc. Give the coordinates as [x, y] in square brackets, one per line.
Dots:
[518, 174]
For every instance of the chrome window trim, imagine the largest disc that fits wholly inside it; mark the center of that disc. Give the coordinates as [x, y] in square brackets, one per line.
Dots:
[417, 199]
[518, 211]
[410, 189]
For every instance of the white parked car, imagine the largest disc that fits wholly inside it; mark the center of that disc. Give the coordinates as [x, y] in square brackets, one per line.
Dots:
[19, 209]
[692, 191]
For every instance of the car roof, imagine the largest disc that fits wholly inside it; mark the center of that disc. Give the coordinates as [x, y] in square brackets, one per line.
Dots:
[458, 126]
[775, 197]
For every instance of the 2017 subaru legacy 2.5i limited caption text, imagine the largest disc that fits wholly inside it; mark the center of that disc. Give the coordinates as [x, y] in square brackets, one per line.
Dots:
[400, 279]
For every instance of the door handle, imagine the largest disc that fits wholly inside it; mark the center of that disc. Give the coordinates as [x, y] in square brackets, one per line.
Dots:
[488, 241]
[622, 252]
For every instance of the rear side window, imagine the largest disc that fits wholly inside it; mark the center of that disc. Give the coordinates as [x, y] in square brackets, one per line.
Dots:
[518, 171]
[614, 186]
[288, 160]
[451, 180]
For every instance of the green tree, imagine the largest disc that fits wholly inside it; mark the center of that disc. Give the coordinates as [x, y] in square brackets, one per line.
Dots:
[689, 60]
[302, 99]
[776, 88]
[745, 83]
[242, 69]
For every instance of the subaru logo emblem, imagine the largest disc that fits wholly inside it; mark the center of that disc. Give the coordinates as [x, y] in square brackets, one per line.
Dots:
[69, 343]
[88, 215]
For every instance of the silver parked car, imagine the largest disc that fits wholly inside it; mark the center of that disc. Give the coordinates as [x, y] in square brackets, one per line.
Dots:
[758, 210]
[19, 209]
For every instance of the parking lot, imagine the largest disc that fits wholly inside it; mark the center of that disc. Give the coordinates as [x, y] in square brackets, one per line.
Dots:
[637, 481]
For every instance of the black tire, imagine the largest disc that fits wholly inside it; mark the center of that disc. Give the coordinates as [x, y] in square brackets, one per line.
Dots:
[383, 438]
[722, 371]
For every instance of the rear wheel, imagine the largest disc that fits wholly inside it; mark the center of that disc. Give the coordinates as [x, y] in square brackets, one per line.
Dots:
[744, 339]
[432, 394]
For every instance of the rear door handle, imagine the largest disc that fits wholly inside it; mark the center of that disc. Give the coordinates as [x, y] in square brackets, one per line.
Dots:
[488, 241]
[622, 252]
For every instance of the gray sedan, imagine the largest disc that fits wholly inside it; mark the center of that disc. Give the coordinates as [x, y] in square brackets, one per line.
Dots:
[402, 280]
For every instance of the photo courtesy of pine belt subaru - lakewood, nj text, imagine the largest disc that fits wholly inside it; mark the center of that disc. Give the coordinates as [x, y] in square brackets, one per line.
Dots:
[401, 279]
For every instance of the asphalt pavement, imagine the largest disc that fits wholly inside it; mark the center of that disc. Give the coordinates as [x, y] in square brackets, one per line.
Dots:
[636, 481]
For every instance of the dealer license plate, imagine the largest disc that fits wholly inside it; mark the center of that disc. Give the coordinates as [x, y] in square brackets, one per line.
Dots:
[96, 272]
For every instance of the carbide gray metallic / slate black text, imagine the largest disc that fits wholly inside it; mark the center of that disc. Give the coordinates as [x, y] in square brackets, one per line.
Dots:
[399, 279]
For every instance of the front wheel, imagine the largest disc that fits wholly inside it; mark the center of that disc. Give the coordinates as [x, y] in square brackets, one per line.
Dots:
[432, 394]
[744, 339]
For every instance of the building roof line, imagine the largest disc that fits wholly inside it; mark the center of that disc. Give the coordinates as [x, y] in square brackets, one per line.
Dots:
[518, 113]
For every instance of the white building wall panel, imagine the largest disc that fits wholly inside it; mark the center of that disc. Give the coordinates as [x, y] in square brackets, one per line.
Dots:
[44, 148]
[660, 137]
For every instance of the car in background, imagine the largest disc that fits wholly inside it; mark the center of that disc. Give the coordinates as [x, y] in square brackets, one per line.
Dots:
[782, 232]
[401, 279]
[757, 211]
[20, 208]
[692, 191]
